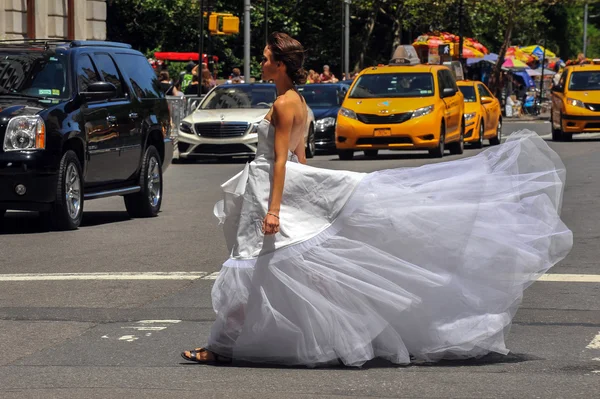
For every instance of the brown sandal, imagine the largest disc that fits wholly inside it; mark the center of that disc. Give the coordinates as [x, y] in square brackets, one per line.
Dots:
[217, 359]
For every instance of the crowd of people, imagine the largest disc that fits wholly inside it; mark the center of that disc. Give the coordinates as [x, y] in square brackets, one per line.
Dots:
[188, 80]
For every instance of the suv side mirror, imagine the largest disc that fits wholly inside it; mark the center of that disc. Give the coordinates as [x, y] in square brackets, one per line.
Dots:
[557, 88]
[448, 92]
[99, 91]
[486, 100]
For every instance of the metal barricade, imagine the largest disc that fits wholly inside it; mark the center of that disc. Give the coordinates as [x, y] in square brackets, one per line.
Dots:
[179, 108]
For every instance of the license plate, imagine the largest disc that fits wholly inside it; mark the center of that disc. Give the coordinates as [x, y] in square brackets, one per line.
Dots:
[382, 132]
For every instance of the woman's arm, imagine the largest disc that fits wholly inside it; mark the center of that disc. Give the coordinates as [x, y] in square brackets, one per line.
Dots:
[283, 119]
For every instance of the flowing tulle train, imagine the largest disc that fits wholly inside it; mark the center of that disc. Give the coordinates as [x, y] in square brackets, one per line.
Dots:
[429, 262]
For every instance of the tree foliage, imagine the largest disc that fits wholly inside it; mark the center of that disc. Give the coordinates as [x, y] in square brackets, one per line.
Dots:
[376, 27]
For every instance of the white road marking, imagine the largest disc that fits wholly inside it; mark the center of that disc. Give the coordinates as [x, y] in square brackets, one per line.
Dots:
[146, 328]
[595, 344]
[159, 321]
[567, 278]
[596, 359]
[212, 276]
[128, 338]
[571, 278]
[102, 276]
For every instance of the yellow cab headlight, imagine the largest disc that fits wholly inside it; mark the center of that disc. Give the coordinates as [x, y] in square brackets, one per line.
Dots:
[470, 116]
[575, 103]
[348, 113]
[422, 111]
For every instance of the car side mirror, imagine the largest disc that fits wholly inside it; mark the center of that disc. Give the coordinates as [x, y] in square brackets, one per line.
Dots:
[486, 100]
[448, 92]
[99, 91]
[557, 88]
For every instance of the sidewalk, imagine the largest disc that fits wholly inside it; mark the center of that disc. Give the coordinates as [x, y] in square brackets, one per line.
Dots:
[528, 118]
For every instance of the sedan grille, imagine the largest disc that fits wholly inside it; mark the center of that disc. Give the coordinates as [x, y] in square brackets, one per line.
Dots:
[371, 119]
[221, 130]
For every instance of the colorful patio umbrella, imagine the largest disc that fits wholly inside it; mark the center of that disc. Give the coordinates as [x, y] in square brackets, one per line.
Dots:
[515, 52]
[537, 51]
[513, 63]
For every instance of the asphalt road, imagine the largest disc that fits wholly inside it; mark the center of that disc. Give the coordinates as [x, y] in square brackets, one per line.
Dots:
[117, 333]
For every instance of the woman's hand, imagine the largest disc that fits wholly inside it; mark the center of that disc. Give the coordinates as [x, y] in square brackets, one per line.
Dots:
[270, 224]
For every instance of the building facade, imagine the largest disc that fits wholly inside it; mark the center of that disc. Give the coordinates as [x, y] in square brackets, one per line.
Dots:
[53, 19]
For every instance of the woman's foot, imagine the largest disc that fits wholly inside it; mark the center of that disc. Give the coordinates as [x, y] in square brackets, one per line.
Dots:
[203, 355]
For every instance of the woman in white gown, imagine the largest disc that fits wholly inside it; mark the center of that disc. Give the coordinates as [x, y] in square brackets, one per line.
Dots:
[336, 266]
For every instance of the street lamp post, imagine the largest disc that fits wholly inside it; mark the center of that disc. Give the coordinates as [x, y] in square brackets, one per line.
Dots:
[201, 46]
[247, 40]
[266, 20]
[347, 37]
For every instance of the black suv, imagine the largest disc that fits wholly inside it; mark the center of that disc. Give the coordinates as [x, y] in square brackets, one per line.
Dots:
[80, 120]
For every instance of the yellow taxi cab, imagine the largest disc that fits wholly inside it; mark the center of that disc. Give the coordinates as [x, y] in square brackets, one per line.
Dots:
[483, 114]
[576, 102]
[401, 106]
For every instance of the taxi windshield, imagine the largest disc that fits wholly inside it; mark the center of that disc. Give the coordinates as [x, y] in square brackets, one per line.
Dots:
[34, 74]
[404, 84]
[585, 80]
[230, 96]
[469, 93]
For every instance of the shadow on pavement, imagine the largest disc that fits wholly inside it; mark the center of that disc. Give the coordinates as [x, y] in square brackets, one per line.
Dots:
[35, 223]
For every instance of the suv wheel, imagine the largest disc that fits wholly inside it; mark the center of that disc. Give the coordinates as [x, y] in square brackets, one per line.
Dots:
[67, 209]
[439, 151]
[346, 155]
[310, 143]
[147, 202]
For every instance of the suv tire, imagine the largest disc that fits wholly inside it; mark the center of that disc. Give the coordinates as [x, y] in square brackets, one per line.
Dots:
[479, 142]
[67, 210]
[458, 147]
[147, 202]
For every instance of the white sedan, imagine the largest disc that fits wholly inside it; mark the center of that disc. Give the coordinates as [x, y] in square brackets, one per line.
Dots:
[225, 122]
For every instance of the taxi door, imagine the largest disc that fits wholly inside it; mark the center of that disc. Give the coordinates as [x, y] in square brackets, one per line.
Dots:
[452, 113]
[558, 94]
[491, 110]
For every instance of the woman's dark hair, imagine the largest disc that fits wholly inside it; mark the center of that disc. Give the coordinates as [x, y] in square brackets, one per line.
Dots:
[164, 75]
[289, 51]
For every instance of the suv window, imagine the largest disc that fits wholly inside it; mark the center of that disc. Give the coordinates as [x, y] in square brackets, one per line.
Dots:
[86, 72]
[141, 75]
[468, 93]
[449, 79]
[403, 84]
[109, 72]
[38, 74]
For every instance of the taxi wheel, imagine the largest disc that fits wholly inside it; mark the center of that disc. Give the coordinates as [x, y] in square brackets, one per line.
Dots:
[496, 139]
[438, 152]
[559, 134]
[346, 155]
[458, 147]
[479, 142]
[371, 153]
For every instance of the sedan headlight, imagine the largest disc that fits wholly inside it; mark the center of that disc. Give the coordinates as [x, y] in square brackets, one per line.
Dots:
[325, 123]
[422, 111]
[470, 116]
[348, 113]
[575, 103]
[254, 128]
[186, 127]
[25, 133]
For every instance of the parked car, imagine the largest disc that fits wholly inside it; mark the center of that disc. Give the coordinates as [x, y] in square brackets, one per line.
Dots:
[576, 102]
[483, 114]
[226, 121]
[80, 120]
[325, 100]
[402, 106]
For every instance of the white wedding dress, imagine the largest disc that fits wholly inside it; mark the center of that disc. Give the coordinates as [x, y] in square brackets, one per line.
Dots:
[429, 262]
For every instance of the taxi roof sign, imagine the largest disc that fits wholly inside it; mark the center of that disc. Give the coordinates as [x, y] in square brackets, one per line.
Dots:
[405, 55]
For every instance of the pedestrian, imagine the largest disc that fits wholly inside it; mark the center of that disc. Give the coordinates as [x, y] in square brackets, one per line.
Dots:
[330, 266]
[167, 84]
[207, 81]
[192, 88]
[327, 76]
[235, 76]
[186, 76]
